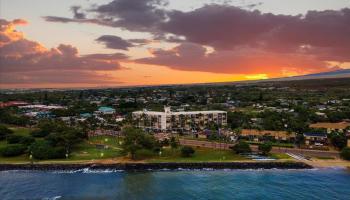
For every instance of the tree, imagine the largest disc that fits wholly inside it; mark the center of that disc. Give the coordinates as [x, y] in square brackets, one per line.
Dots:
[13, 139]
[241, 147]
[299, 140]
[42, 149]
[187, 151]
[345, 153]
[338, 140]
[136, 139]
[39, 133]
[12, 150]
[265, 148]
[4, 132]
[173, 142]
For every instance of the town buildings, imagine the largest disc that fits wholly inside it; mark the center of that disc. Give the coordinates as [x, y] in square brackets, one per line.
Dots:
[315, 139]
[179, 121]
[339, 127]
[105, 110]
[263, 135]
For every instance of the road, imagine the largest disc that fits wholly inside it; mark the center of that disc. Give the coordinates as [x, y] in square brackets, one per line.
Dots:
[304, 152]
[206, 144]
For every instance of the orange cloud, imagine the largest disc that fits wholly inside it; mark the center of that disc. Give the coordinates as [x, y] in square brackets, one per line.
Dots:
[28, 62]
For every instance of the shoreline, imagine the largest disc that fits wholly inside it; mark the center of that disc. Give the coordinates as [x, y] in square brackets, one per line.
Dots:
[157, 166]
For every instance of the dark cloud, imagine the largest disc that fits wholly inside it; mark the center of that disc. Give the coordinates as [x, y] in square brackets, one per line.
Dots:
[77, 12]
[221, 26]
[134, 15]
[114, 42]
[100, 56]
[137, 15]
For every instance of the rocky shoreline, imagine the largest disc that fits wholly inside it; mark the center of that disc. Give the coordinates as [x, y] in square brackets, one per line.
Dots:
[158, 166]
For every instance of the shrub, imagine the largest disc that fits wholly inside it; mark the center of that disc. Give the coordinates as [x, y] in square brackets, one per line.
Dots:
[241, 147]
[12, 150]
[187, 151]
[173, 143]
[43, 150]
[4, 132]
[27, 140]
[14, 139]
[265, 148]
[345, 153]
[39, 133]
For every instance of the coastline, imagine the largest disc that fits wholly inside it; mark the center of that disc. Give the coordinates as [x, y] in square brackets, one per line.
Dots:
[158, 166]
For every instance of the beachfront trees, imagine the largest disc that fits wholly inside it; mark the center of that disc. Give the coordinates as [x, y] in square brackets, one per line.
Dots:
[4, 132]
[42, 149]
[136, 140]
[187, 151]
[241, 147]
[338, 140]
[265, 148]
[345, 153]
[11, 150]
[173, 143]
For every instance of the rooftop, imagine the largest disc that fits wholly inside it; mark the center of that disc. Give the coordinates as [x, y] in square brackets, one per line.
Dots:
[246, 132]
[315, 135]
[340, 125]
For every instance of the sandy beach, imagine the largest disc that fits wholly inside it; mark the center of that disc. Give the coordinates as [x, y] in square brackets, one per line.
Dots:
[319, 163]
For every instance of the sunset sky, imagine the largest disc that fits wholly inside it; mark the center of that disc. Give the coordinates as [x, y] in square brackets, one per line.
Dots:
[90, 43]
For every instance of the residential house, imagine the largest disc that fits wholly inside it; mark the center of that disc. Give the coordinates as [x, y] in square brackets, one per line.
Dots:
[105, 110]
[315, 139]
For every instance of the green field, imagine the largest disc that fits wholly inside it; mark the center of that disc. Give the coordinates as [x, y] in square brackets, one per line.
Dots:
[106, 147]
[201, 155]
[89, 151]
[86, 151]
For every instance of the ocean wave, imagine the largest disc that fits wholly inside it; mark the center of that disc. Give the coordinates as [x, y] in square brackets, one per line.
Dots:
[52, 198]
[88, 171]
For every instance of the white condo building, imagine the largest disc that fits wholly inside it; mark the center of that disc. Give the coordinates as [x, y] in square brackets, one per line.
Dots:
[169, 120]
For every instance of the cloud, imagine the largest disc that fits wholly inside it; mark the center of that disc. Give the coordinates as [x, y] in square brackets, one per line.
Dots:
[25, 60]
[133, 15]
[77, 13]
[194, 57]
[56, 77]
[114, 42]
[243, 39]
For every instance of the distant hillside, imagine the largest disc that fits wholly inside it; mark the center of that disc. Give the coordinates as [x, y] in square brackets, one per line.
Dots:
[344, 73]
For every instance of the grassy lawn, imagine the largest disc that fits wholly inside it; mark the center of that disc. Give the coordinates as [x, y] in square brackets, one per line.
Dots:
[87, 150]
[280, 156]
[201, 155]
[106, 140]
[21, 131]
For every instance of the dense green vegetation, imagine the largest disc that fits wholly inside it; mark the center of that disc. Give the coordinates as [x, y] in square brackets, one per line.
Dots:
[345, 153]
[187, 151]
[241, 147]
[265, 148]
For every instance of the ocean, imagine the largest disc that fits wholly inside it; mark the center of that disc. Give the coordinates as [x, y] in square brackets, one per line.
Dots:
[179, 184]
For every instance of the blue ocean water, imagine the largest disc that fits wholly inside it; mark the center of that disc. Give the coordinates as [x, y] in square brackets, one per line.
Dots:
[212, 184]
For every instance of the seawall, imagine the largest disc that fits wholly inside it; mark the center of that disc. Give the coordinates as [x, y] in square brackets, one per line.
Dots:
[158, 166]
